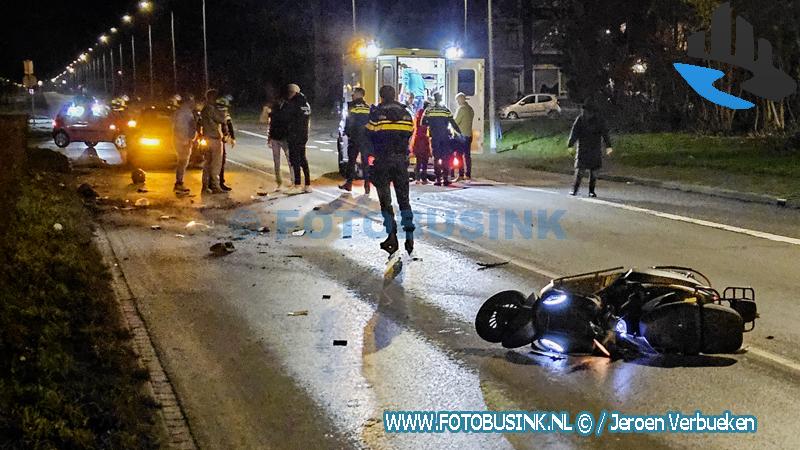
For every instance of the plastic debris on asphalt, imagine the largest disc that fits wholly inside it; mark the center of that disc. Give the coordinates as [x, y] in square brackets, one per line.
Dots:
[196, 227]
[298, 313]
[485, 266]
[222, 248]
[165, 218]
[263, 230]
[299, 233]
[155, 227]
[339, 343]
[58, 227]
[142, 202]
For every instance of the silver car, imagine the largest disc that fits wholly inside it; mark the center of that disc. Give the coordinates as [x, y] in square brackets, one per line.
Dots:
[531, 106]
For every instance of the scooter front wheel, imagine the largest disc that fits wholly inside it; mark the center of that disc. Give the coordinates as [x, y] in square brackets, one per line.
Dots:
[495, 320]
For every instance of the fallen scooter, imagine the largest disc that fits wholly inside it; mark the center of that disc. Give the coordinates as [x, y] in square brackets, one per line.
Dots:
[666, 309]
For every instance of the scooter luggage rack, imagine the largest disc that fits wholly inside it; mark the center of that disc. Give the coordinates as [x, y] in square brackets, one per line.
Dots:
[733, 293]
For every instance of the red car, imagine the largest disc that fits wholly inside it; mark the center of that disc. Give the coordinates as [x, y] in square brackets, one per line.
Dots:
[90, 123]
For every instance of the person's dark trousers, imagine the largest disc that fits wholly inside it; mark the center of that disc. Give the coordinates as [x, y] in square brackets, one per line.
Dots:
[224, 158]
[441, 152]
[421, 169]
[579, 178]
[466, 158]
[297, 155]
[357, 148]
[387, 172]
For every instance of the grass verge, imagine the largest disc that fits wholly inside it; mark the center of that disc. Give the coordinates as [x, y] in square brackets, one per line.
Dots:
[749, 164]
[68, 378]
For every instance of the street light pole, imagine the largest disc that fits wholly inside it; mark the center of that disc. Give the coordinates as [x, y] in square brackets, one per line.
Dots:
[150, 40]
[465, 23]
[121, 69]
[133, 62]
[105, 75]
[354, 17]
[205, 47]
[113, 74]
[174, 57]
[492, 113]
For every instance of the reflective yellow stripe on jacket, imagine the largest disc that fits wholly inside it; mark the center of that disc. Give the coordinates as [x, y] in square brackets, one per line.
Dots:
[388, 125]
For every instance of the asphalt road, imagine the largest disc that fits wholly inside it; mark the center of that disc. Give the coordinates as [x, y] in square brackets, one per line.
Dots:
[250, 376]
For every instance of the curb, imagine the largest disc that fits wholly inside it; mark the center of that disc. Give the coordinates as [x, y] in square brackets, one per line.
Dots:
[747, 197]
[170, 414]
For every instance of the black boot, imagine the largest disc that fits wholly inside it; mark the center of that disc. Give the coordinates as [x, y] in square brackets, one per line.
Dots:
[366, 187]
[347, 186]
[409, 242]
[390, 245]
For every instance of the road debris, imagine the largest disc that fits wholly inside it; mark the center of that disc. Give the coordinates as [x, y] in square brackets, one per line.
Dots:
[155, 227]
[222, 248]
[262, 193]
[138, 176]
[263, 230]
[294, 256]
[86, 191]
[299, 233]
[339, 343]
[303, 312]
[485, 266]
[165, 218]
[196, 227]
[371, 422]
[326, 297]
[58, 227]
[142, 203]
[142, 190]
[180, 236]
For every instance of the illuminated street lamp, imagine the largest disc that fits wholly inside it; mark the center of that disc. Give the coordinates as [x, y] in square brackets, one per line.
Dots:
[127, 18]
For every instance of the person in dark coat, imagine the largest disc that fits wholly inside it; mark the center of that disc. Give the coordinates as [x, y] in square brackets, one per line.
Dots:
[589, 133]
[298, 112]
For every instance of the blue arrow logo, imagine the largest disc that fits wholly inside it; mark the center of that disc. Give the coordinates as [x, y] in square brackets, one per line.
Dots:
[702, 79]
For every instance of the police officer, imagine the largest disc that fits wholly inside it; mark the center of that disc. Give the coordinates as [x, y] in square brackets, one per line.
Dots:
[438, 119]
[390, 128]
[355, 128]
[228, 137]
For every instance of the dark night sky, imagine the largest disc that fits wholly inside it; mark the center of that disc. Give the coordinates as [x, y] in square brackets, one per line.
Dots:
[254, 45]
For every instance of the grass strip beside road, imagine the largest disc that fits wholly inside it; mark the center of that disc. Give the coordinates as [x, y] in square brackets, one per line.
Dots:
[68, 378]
[747, 164]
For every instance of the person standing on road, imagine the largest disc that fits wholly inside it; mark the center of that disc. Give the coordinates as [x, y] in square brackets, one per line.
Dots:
[465, 116]
[439, 120]
[589, 133]
[184, 133]
[277, 137]
[390, 128]
[211, 122]
[355, 128]
[228, 138]
[421, 147]
[298, 113]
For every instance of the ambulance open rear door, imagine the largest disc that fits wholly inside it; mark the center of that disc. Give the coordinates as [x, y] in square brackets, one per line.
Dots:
[467, 76]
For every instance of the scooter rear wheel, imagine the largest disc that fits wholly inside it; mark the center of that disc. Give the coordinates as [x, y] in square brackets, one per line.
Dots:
[494, 320]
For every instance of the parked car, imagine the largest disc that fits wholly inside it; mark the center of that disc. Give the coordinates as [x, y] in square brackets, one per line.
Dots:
[89, 123]
[531, 106]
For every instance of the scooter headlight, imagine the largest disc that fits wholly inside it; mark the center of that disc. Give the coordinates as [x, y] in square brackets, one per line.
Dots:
[555, 298]
[621, 327]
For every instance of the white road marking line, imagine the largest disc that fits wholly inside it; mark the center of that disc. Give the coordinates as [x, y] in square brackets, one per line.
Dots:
[330, 150]
[252, 134]
[777, 359]
[755, 351]
[311, 146]
[545, 191]
[324, 142]
[705, 223]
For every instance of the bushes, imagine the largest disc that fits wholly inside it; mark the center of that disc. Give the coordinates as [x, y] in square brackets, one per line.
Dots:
[67, 374]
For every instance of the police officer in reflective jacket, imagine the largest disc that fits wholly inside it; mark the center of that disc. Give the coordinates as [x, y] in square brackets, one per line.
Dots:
[439, 119]
[355, 128]
[390, 128]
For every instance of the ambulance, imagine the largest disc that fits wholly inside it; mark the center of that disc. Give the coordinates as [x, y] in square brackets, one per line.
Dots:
[446, 71]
